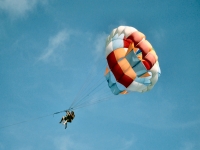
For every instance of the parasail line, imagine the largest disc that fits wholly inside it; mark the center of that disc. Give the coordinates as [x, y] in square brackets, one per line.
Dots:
[88, 93]
[26, 121]
[85, 84]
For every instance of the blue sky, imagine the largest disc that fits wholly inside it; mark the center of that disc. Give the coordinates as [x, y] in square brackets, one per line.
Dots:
[50, 50]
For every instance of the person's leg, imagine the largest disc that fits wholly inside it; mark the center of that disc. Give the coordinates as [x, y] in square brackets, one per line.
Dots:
[65, 123]
[61, 119]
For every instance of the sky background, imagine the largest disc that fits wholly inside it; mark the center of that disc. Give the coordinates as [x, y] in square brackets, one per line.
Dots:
[52, 51]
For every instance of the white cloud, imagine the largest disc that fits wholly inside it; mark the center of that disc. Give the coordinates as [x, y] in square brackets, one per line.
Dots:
[100, 45]
[1, 146]
[121, 142]
[159, 34]
[16, 8]
[67, 143]
[127, 144]
[160, 115]
[186, 124]
[55, 44]
[188, 146]
[25, 148]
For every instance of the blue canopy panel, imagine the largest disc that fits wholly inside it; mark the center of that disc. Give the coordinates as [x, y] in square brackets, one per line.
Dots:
[113, 85]
[139, 68]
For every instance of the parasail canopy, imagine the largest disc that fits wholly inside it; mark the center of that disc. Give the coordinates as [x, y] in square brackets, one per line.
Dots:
[132, 61]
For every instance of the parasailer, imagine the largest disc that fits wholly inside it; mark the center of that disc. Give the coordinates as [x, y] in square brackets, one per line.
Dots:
[68, 118]
[132, 61]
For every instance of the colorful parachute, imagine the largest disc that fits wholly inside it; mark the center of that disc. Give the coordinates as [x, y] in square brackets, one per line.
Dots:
[132, 62]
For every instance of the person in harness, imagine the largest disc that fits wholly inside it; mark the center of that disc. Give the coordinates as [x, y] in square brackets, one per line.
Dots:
[68, 118]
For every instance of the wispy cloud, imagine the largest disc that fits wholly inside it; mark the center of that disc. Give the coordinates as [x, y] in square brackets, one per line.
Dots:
[159, 34]
[1, 146]
[128, 143]
[161, 115]
[121, 142]
[56, 43]
[25, 148]
[18, 8]
[67, 143]
[99, 44]
[188, 146]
